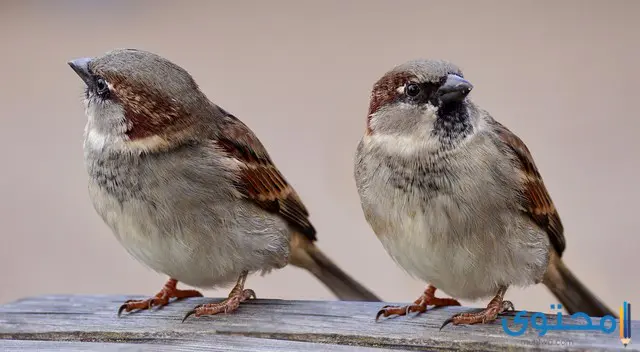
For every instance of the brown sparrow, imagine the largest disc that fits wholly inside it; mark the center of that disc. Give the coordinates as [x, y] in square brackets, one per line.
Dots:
[187, 188]
[455, 197]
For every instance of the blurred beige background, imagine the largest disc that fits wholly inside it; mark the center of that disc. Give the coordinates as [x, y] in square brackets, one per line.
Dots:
[563, 75]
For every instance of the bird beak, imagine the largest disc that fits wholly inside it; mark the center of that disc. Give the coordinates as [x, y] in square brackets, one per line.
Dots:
[81, 66]
[454, 89]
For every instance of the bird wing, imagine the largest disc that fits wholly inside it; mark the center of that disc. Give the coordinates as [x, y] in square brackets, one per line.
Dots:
[536, 202]
[260, 181]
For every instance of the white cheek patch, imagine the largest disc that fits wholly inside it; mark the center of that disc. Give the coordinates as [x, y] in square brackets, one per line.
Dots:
[99, 141]
[95, 140]
[418, 141]
[107, 128]
[113, 136]
[403, 145]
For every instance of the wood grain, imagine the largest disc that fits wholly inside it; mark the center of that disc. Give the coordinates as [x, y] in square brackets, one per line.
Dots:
[80, 323]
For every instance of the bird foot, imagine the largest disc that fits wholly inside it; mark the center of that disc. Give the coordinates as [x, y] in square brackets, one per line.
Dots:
[483, 316]
[428, 298]
[161, 299]
[227, 306]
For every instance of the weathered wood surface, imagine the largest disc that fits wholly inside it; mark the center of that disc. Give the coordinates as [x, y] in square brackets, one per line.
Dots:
[89, 323]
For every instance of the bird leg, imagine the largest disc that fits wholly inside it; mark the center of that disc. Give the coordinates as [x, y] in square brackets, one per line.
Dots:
[428, 298]
[232, 302]
[161, 299]
[497, 306]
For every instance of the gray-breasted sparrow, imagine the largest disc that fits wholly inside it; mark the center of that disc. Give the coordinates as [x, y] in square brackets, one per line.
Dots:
[455, 197]
[187, 188]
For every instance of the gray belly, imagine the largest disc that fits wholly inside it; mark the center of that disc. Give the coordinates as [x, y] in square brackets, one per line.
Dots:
[465, 260]
[195, 248]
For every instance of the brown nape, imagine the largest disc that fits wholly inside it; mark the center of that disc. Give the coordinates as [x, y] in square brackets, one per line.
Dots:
[151, 115]
[159, 98]
[385, 91]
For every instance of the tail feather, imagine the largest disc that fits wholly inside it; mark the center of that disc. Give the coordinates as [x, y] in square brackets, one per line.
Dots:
[306, 255]
[574, 296]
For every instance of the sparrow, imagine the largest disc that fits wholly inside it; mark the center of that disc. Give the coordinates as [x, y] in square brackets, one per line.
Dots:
[456, 199]
[187, 188]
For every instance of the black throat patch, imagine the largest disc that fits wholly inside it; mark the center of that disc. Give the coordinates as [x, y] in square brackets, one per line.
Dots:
[452, 123]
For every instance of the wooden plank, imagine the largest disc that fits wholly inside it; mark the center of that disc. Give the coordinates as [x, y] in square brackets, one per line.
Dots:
[263, 322]
[212, 344]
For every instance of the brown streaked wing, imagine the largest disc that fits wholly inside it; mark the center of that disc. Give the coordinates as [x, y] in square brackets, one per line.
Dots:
[260, 180]
[537, 202]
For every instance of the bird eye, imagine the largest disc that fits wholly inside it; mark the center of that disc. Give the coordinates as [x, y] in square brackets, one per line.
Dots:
[101, 87]
[412, 90]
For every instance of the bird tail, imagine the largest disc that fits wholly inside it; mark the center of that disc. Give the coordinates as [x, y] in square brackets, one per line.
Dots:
[306, 255]
[574, 296]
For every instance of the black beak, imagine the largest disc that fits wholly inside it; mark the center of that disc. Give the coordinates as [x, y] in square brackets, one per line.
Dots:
[81, 66]
[454, 89]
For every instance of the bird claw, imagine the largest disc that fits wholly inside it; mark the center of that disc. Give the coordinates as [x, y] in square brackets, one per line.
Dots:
[390, 310]
[191, 312]
[122, 307]
[228, 305]
[161, 299]
[483, 316]
[132, 304]
[419, 306]
[446, 322]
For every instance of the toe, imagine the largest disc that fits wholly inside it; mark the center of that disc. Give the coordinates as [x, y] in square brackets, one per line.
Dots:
[231, 305]
[416, 308]
[131, 305]
[388, 311]
[248, 294]
[507, 306]
[382, 312]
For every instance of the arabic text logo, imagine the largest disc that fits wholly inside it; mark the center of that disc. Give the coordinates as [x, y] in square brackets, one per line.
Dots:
[539, 322]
